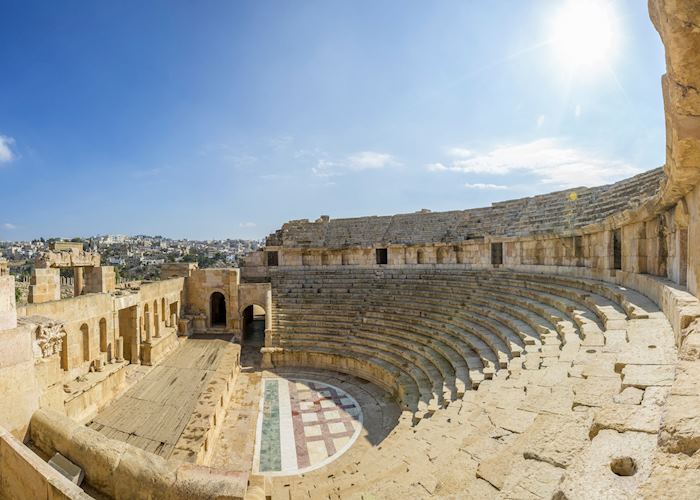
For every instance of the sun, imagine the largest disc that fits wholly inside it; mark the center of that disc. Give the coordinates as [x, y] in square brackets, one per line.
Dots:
[584, 34]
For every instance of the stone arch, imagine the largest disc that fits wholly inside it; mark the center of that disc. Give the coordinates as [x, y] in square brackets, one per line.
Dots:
[249, 314]
[217, 309]
[443, 255]
[420, 256]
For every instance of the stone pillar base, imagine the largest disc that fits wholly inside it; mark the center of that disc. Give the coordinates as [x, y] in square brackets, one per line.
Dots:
[267, 353]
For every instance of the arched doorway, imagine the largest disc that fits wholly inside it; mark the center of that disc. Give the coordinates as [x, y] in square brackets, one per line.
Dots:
[253, 324]
[218, 309]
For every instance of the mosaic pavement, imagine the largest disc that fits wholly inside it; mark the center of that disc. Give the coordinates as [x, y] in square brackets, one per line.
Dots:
[303, 425]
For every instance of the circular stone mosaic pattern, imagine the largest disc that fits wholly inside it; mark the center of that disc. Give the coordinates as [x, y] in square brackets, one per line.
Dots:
[303, 425]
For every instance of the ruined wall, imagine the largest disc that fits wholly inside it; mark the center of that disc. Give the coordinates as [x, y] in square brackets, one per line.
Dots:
[85, 319]
[23, 474]
[8, 312]
[203, 283]
[678, 24]
[19, 392]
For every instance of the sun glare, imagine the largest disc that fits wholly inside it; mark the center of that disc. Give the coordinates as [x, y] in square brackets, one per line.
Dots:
[584, 34]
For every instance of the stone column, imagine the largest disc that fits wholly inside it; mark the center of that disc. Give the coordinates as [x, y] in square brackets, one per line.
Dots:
[114, 337]
[173, 321]
[147, 325]
[268, 318]
[156, 324]
[120, 349]
[77, 281]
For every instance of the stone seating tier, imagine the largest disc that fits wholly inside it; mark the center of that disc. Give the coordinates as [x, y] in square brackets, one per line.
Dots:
[442, 332]
[552, 212]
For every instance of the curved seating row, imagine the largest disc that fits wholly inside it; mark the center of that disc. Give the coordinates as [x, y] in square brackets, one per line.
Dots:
[438, 332]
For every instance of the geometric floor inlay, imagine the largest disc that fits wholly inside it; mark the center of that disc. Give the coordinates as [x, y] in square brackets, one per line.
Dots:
[303, 425]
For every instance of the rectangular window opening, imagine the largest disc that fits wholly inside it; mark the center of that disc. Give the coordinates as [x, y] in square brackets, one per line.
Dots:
[272, 258]
[496, 254]
[382, 256]
[617, 249]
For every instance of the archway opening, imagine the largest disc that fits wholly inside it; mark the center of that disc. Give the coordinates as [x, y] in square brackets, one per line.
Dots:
[253, 324]
[218, 309]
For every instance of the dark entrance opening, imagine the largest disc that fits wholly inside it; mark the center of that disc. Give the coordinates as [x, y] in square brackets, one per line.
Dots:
[617, 249]
[382, 256]
[496, 254]
[254, 325]
[218, 309]
[272, 258]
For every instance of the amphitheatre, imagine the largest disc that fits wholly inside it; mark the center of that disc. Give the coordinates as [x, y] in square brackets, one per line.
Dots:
[545, 347]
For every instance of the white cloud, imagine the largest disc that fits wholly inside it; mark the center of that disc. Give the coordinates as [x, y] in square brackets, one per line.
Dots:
[540, 121]
[326, 168]
[460, 153]
[480, 185]
[437, 167]
[6, 153]
[548, 159]
[9, 226]
[370, 159]
[248, 224]
[364, 160]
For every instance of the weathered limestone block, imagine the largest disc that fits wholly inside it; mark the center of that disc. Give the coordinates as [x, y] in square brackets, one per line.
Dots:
[592, 474]
[72, 257]
[8, 309]
[512, 420]
[629, 396]
[557, 439]
[101, 279]
[531, 479]
[671, 482]
[595, 392]
[643, 376]
[680, 432]
[45, 286]
[623, 418]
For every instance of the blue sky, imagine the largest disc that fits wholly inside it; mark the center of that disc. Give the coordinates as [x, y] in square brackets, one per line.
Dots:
[220, 119]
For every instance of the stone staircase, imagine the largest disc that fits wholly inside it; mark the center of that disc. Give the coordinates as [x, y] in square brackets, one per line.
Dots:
[547, 213]
[507, 380]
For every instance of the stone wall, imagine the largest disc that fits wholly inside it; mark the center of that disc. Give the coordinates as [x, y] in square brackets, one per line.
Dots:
[553, 213]
[24, 475]
[121, 471]
[8, 314]
[86, 318]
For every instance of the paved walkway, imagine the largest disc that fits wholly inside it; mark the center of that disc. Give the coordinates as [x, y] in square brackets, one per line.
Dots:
[235, 446]
[153, 413]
